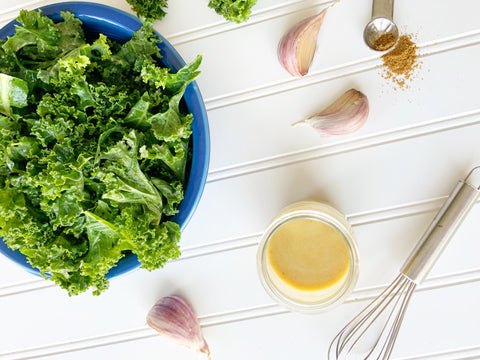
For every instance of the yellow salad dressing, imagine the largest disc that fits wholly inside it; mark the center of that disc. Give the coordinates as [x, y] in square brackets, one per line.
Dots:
[307, 259]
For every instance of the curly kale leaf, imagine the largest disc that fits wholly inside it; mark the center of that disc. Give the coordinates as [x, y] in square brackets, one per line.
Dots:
[150, 9]
[37, 31]
[39, 39]
[125, 181]
[233, 10]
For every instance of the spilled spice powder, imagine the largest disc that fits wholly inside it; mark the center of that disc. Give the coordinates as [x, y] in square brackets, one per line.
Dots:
[401, 63]
[384, 42]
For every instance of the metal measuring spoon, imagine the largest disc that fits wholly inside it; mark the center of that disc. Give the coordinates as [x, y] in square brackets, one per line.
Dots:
[381, 33]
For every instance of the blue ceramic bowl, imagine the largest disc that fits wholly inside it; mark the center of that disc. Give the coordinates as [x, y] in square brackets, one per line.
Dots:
[119, 25]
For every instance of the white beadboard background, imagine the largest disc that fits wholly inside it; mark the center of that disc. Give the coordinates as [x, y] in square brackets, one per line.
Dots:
[389, 178]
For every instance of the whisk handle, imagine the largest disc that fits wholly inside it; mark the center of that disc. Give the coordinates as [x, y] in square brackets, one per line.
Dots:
[441, 230]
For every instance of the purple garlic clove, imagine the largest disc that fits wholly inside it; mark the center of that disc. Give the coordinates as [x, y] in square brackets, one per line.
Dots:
[174, 318]
[345, 115]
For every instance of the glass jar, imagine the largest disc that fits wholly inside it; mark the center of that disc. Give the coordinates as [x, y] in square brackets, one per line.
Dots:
[298, 299]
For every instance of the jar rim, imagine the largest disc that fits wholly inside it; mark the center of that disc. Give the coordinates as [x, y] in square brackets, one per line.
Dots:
[329, 216]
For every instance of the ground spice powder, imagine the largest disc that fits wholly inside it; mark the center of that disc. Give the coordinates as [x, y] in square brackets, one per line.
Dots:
[384, 42]
[400, 63]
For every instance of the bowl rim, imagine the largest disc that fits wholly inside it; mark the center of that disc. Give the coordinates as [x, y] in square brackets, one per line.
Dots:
[92, 15]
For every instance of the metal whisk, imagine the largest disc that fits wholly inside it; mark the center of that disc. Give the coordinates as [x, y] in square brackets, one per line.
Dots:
[389, 307]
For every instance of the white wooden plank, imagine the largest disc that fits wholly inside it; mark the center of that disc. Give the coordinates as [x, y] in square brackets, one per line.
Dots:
[291, 335]
[403, 172]
[265, 123]
[230, 280]
[251, 59]
[12, 273]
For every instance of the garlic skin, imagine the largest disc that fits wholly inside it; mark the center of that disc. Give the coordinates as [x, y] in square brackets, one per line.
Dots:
[174, 318]
[297, 47]
[345, 115]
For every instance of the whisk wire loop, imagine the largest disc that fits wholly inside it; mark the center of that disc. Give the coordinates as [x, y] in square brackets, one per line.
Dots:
[385, 335]
[398, 294]
[403, 301]
[351, 333]
[345, 335]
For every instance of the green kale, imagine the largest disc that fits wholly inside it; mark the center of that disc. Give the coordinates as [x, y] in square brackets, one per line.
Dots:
[150, 9]
[233, 10]
[14, 93]
[91, 167]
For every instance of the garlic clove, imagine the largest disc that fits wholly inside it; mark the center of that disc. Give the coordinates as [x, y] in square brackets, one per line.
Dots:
[174, 318]
[345, 115]
[297, 47]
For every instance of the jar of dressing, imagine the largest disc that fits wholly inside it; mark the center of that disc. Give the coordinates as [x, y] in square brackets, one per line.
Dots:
[307, 259]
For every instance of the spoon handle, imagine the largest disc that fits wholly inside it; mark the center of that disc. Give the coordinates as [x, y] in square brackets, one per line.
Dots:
[382, 9]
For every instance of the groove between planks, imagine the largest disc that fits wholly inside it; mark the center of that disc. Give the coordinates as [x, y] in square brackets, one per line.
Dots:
[447, 44]
[467, 353]
[251, 240]
[258, 15]
[16, 8]
[219, 319]
[425, 128]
